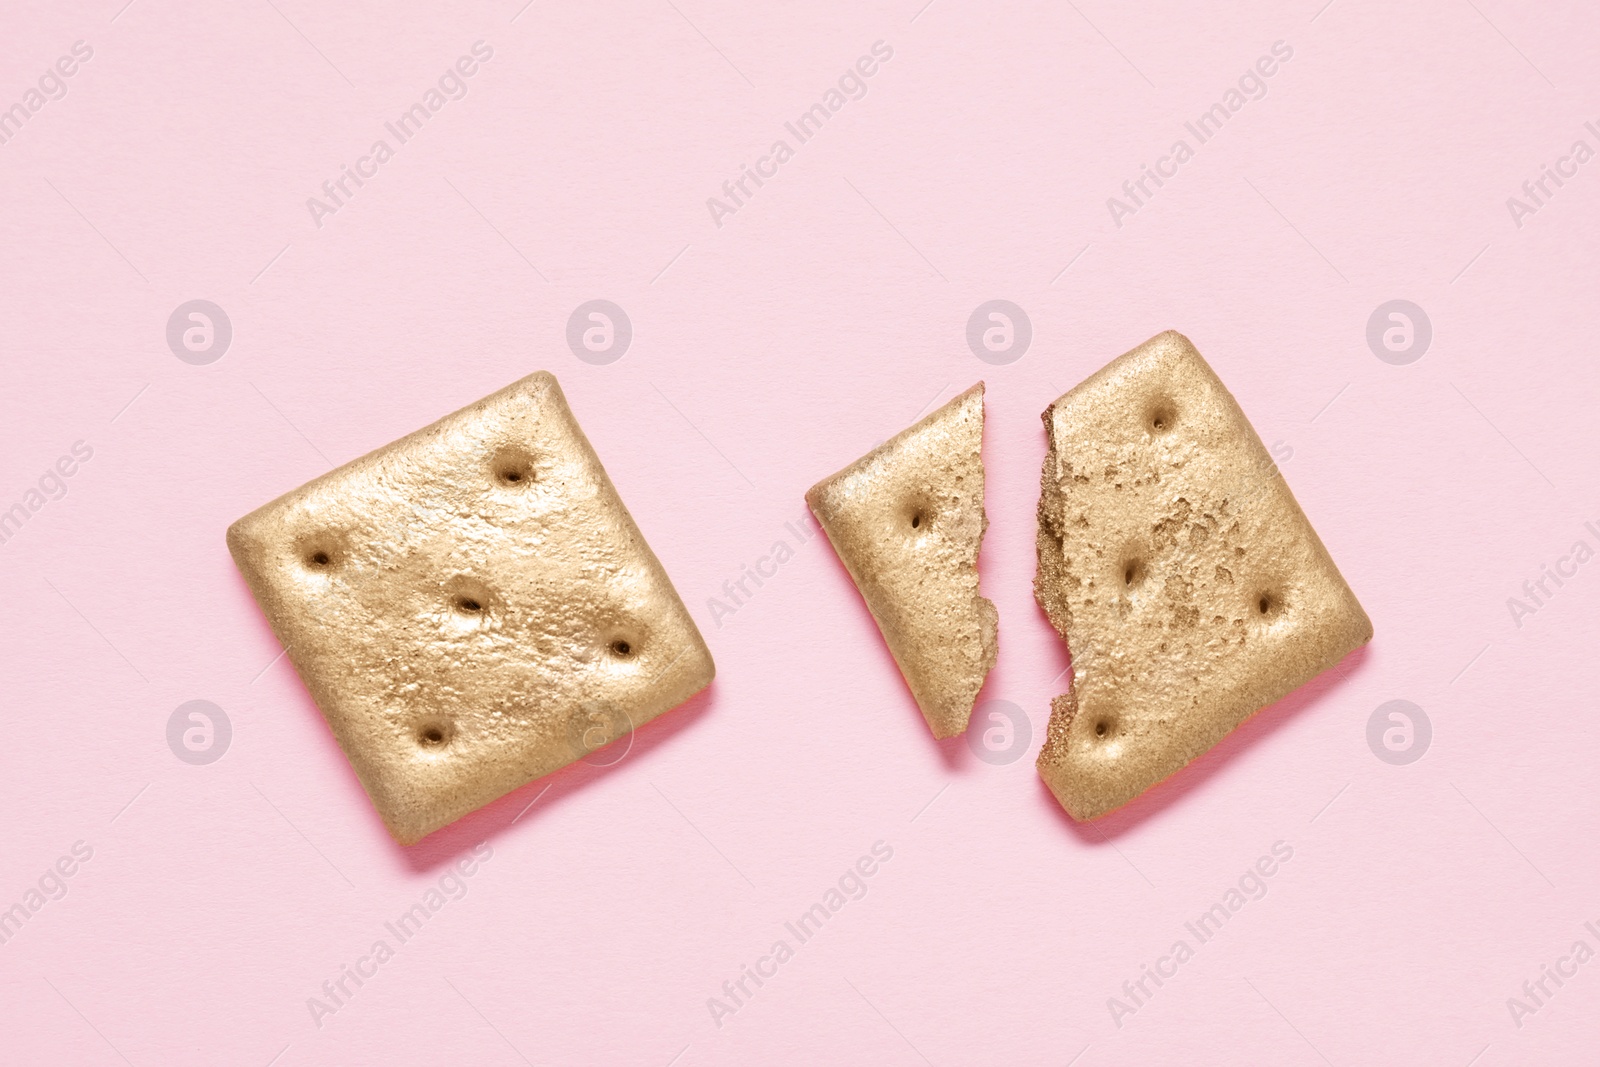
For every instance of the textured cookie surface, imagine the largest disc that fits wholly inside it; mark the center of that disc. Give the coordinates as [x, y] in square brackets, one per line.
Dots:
[907, 519]
[1190, 587]
[471, 606]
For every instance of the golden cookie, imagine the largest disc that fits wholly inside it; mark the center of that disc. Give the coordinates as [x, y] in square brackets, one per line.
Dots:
[471, 606]
[907, 520]
[1190, 588]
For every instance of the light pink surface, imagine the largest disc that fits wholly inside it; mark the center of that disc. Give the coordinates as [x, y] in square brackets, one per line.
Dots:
[821, 317]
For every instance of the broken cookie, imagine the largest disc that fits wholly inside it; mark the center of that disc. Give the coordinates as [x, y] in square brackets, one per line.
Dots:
[907, 520]
[1188, 584]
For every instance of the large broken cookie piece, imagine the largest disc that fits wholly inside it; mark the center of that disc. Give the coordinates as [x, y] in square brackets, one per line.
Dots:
[907, 520]
[1189, 586]
[471, 606]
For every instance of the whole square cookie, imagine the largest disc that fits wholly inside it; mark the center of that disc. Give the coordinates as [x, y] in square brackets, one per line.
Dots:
[1190, 588]
[471, 606]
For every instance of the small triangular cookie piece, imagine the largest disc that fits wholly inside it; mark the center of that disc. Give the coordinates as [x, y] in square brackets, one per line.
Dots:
[1187, 582]
[471, 606]
[907, 520]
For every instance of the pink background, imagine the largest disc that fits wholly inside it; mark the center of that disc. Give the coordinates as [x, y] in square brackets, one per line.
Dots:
[821, 317]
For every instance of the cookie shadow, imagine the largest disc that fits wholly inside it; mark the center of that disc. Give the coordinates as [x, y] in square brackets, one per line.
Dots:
[542, 796]
[1187, 780]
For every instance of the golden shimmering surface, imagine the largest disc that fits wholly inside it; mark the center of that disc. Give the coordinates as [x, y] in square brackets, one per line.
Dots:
[907, 519]
[1189, 586]
[471, 606]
